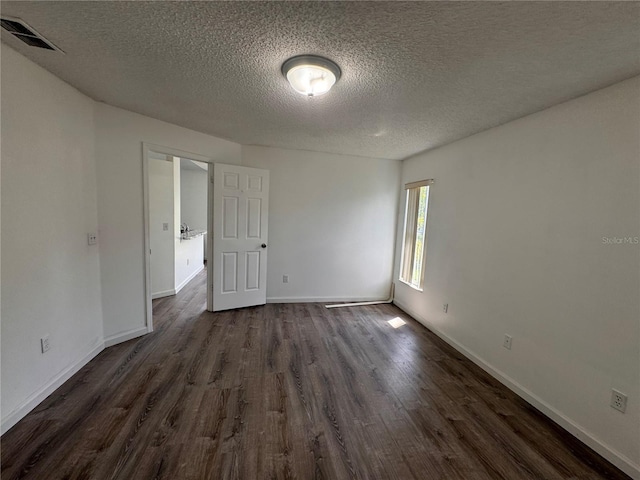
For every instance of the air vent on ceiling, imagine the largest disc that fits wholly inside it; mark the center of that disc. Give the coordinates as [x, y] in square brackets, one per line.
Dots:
[26, 34]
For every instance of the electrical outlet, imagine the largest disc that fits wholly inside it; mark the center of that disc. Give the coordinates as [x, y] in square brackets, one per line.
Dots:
[187, 261]
[618, 400]
[44, 344]
[507, 341]
[285, 278]
[445, 307]
[165, 227]
[92, 238]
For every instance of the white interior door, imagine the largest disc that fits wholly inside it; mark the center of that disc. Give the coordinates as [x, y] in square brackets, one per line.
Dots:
[240, 233]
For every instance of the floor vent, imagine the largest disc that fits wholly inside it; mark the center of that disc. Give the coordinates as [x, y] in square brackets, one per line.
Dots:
[26, 34]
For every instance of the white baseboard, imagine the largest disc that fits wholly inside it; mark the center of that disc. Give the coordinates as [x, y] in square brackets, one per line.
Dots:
[618, 459]
[34, 400]
[188, 279]
[123, 337]
[165, 293]
[321, 299]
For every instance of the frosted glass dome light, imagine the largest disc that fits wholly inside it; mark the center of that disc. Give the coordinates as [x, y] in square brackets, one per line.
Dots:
[311, 75]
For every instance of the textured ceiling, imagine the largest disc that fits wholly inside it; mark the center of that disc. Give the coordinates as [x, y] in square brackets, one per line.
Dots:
[415, 75]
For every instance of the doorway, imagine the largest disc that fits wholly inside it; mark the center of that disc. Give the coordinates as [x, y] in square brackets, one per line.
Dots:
[237, 255]
[177, 222]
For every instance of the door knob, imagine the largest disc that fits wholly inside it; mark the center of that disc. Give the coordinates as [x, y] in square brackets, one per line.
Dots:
[264, 245]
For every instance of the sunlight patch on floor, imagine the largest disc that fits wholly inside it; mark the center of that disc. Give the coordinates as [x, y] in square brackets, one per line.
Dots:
[396, 322]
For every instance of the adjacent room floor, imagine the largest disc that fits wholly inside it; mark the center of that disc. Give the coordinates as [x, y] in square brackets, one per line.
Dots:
[288, 391]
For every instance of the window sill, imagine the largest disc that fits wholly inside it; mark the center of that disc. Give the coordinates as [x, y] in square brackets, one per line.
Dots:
[410, 285]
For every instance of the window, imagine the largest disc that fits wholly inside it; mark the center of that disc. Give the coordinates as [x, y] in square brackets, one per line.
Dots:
[415, 230]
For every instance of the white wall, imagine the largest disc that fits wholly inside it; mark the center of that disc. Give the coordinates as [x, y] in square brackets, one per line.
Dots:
[515, 245]
[173, 261]
[189, 261]
[189, 252]
[161, 241]
[331, 224]
[50, 275]
[193, 198]
[188, 258]
[119, 138]
[177, 222]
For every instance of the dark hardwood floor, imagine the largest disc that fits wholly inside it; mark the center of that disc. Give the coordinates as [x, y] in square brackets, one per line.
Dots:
[288, 391]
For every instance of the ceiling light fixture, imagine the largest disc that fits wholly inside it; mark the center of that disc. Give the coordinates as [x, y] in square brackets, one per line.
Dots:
[311, 75]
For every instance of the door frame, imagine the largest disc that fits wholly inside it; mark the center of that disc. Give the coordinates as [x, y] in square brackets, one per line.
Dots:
[146, 149]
